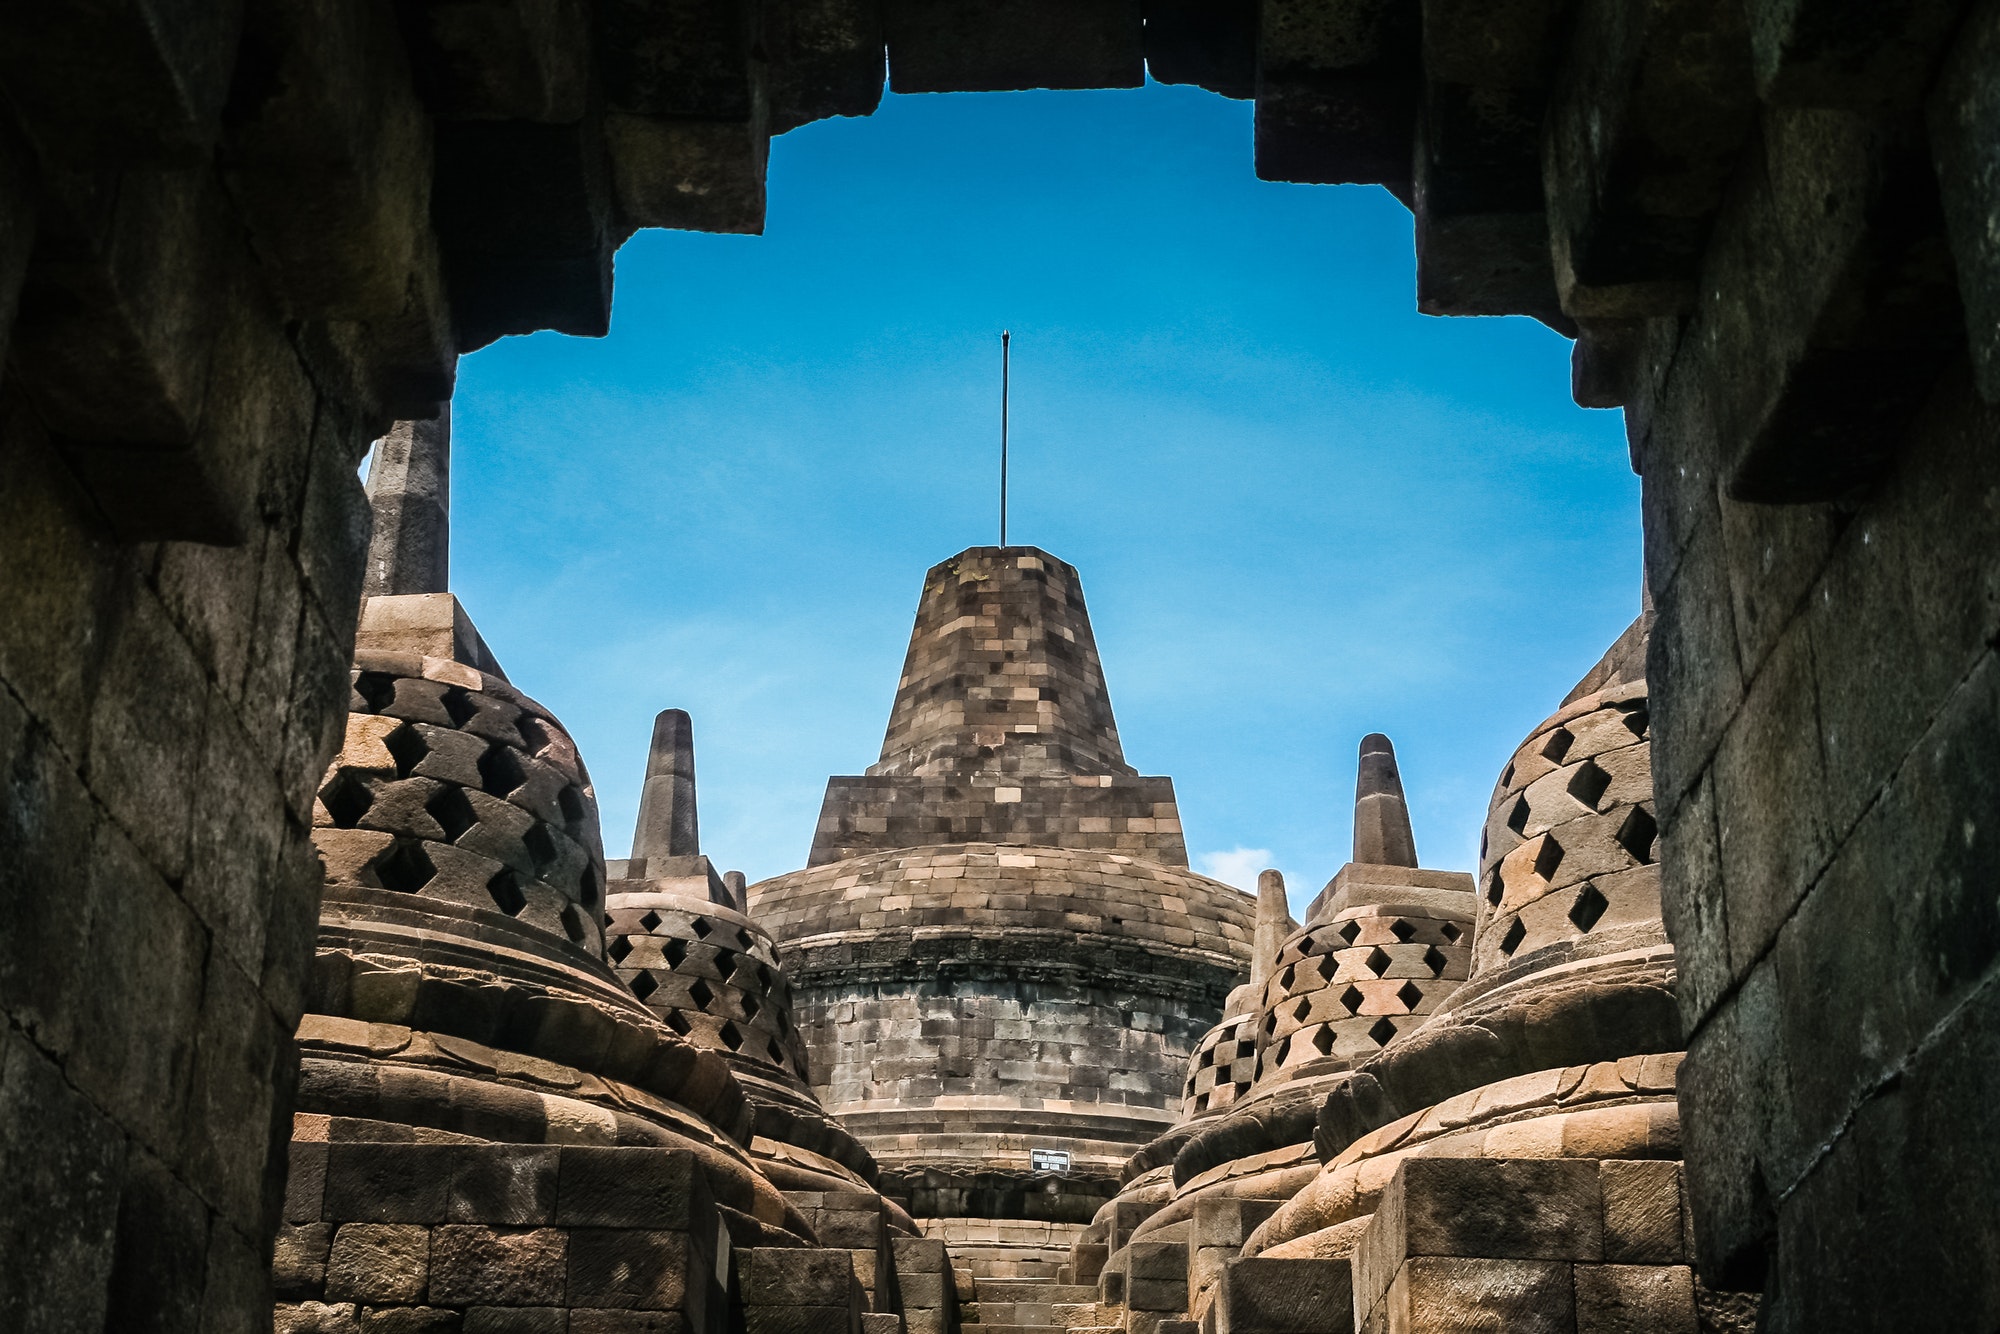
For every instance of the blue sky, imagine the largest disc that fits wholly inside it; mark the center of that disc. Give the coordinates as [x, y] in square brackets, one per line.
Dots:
[1301, 510]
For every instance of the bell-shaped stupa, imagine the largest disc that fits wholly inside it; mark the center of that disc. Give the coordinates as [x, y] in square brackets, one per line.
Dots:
[1000, 960]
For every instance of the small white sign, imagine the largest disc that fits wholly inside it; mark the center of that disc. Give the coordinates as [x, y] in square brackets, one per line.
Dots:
[1049, 1160]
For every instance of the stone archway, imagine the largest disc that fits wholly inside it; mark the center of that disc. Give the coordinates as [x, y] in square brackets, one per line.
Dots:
[237, 241]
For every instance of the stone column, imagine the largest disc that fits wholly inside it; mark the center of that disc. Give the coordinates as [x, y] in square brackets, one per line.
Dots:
[667, 824]
[1274, 923]
[1382, 834]
[409, 485]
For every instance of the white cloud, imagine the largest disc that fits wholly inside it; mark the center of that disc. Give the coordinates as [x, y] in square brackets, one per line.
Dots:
[1238, 866]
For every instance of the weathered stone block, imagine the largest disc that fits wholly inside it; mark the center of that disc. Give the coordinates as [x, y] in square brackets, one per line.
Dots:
[1840, 53]
[695, 175]
[516, 60]
[1482, 227]
[1228, 1221]
[1642, 1212]
[305, 1181]
[136, 81]
[1771, 756]
[1260, 1295]
[1156, 1259]
[523, 219]
[1156, 1294]
[1451, 1293]
[686, 58]
[141, 1058]
[61, 1162]
[159, 1258]
[632, 1187]
[46, 810]
[1889, 1166]
[378, 1263]
[503, 1185]
[851, 1229]
[317, 1318]
[1964, 118]
[410, 1320]
[330, 163]
[774, 1277]
[920, 1289]
[1731, 1091]
[1211, 45]
[1526, 1209]
[1693, 641]
[630, 1268]
[1337, 92]
[515, 1320]
[825, 60]
[388, 1183]
[1644, 128]
[628, 1322]
[938, 46]
[799, 1320]
[1834, 257]
[1090, 1258]
[240, 1055]
[481, 1266]
[1635, 1299]
[119, 313]
[298, 1268]
[920, 1255]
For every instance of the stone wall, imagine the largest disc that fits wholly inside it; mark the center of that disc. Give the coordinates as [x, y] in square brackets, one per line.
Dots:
[165, 709]
[236, 241]
[1826, 722]
[1827, 766]
[590, 1239]
[1002, 729]
[1112, 813]
[972, 1003]
[1002, 675]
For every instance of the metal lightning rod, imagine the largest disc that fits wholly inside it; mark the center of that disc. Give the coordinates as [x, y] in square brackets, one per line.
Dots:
[1005, 338]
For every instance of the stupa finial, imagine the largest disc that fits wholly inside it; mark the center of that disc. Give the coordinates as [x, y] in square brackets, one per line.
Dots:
[409, 487]
[667, 824]
[1382, 835]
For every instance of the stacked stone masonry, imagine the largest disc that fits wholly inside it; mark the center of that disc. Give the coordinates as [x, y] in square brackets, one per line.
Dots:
[454, 785]
[1346, 987]
[1002, 675]
[1001, 962]
[1002, 730]
[710, 972]
[237, 241]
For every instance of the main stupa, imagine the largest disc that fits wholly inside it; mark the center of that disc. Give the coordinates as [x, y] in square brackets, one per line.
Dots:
[1001, 961]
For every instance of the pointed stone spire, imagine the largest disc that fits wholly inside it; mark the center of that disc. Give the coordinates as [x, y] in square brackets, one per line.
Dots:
[1382, 834]
[409, 486]
[667, 825]
[1002, 675]
[1274, 923]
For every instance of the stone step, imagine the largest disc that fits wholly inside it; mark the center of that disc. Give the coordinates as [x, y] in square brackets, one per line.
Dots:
[1032, 1290]
[1083, 1315]
[1070, 1318]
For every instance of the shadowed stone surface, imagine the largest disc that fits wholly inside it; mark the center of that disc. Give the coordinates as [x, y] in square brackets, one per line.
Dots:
[238, 241]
